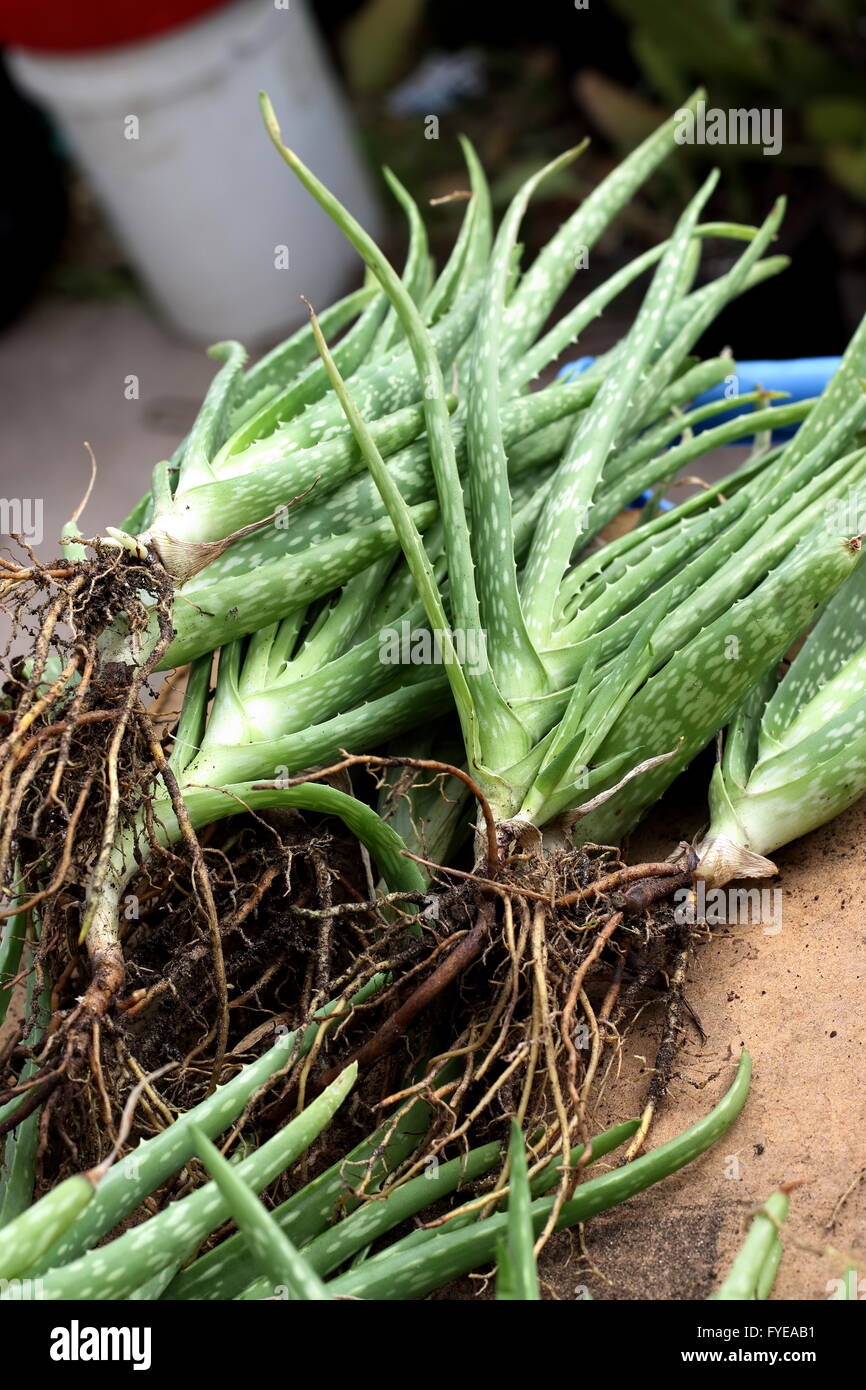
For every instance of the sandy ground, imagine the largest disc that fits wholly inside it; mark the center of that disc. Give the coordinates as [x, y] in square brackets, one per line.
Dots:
[795, 1000]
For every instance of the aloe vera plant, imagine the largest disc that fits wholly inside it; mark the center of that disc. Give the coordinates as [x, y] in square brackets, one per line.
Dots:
[297, 681]
[409, 476]
[564, 690]
[794, 755]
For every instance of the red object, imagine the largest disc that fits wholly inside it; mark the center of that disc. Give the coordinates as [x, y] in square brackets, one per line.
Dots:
[44, 26]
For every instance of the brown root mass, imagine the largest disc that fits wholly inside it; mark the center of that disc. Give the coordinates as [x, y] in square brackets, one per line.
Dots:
[505, 994]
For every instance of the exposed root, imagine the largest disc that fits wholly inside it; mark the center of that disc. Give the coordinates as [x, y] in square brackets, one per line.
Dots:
[425, 764]
[532, 988]
[665, 1053]
[510, 999]
[75, 764]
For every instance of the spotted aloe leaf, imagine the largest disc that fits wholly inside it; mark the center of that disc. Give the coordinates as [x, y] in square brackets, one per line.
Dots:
[795, 754]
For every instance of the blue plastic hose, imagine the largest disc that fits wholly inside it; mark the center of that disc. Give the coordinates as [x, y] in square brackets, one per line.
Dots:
[800, 377]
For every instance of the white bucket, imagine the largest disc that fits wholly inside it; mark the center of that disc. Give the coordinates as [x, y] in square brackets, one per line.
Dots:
[170, 135]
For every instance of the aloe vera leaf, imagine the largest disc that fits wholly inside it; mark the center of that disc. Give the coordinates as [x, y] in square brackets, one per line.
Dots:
[115, 1270]
[674, 340]
[14, 934]
[554, 266]
[260, 383]
[705, 304]
[442, 294]
[680, 708]
[567, 329]
[228, 718]
[260, 657]
[357, 730]
[410, 1198]
[217, 508]
[478, 249]
[389, 383]
[677, 332]
[511, 652]
[757, 486]
[210, 615]
[411, 544]
[554, 787]
[799, 784]
[692, 569]
[191, 724]
[224, 1271]
[740, 745]
[334, 1247]
[769, 1270]
[279, 1259]
[550, 1175]
[288, 358]
[416, 272]
[567, 510]
[283, 708]
[814, 752]
[831, 707]
[742, 1278]
[739, 557]
[521, 1275]
[207, 433]
[647, 550]
[285, 641]
[613, 607]
[488, 708]
[336, 634]
[558, 747]
[18, 1167]
[838, 635]
[629, 548]
[357, 501]
[154, 1160]
[208, 804]
[756, 553]
[369, 338]
[664, 467]
[681, 423]
[381, 387]
[840, 394]
[409, 1270]
[23, 1240]
[471, 247]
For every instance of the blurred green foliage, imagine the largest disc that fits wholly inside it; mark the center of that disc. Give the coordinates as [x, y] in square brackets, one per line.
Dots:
[808, 58]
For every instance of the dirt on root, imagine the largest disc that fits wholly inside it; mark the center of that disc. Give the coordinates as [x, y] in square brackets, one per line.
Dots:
[795, 999]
